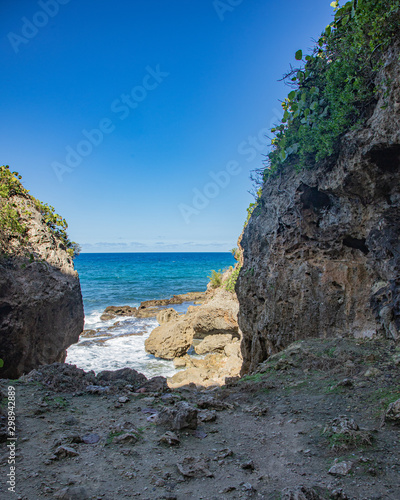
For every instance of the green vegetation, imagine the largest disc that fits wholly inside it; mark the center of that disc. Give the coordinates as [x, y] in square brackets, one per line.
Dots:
[215, 278]
[340, 441]
[335, 88]
[231, 281]
[333, 92]
[11, 225]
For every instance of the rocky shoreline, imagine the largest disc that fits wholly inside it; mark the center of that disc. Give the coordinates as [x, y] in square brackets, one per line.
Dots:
[204, 342]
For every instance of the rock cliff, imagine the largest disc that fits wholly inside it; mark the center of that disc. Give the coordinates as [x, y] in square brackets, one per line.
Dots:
[321, 250]
[41, 310]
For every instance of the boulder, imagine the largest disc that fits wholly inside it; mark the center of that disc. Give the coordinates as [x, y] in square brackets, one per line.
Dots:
[169, 340]
[41, 308]
[213, 343]
[181, 416]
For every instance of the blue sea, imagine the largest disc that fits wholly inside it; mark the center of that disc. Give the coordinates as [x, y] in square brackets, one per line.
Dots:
[127, 279]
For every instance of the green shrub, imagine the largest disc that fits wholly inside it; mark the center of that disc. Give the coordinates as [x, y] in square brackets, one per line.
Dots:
[215, 278]
[231, 281]
[335, 89]
[10, 214]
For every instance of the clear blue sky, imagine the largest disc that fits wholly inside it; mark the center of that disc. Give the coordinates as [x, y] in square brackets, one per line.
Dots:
[180, 90]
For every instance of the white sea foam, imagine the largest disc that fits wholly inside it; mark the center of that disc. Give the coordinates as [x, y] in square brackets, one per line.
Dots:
[121, 350]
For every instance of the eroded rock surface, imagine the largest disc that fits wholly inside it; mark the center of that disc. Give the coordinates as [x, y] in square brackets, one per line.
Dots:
[41, 309]
[321, 251]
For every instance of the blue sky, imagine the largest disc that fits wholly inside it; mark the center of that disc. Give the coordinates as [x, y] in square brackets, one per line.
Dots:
[140, 121]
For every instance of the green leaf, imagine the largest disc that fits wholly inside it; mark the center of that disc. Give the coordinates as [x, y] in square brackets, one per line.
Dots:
[299, 55]
[335, 4]
[292, 95]
[1, 363]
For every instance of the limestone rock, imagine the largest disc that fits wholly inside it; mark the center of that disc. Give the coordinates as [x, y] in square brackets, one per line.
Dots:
[169, 340]
[321, 252]
[213, 343]
[167, 315]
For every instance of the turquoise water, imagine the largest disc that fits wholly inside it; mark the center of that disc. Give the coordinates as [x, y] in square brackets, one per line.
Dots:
[128, 279]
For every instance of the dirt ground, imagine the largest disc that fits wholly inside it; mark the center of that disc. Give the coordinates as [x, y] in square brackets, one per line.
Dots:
[271, 435]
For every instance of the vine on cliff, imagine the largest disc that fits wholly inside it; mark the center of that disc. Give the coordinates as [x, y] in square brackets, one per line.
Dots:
[11, 223]
[335, 88]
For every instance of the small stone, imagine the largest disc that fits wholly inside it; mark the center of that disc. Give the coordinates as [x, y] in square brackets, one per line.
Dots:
[340, 468]
[65, 451]
[90, 438]
[123, 399]
[393, 412]
[169, 438]
[248, 465]
[194, 467]
[207, 416]
[372, 372]
[127, 437]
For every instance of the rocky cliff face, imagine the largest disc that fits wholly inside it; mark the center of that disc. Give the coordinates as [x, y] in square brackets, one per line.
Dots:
[41, 310]
[322, 251]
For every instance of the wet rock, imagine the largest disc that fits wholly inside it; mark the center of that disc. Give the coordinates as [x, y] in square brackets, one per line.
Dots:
[112, 312]
[340, 468]
[393, 412]
[194, 467]
[169, 438]
[183, 415]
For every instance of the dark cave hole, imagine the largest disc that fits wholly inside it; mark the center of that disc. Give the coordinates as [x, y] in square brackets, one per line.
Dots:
[387, 159]
[313, 198]
[358, 244]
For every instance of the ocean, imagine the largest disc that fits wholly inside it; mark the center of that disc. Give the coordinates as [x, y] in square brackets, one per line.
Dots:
[127, 279]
